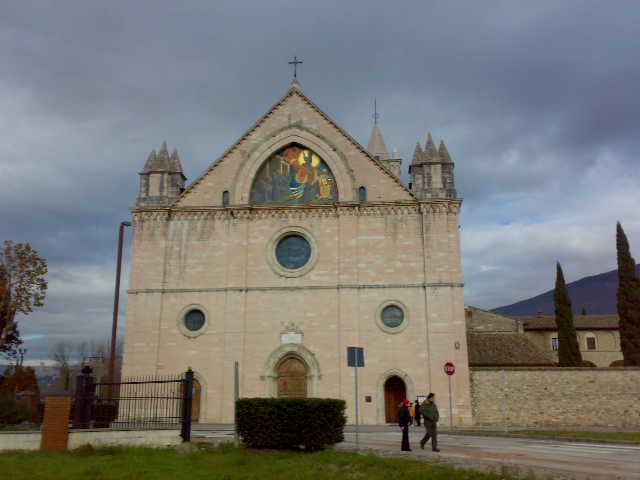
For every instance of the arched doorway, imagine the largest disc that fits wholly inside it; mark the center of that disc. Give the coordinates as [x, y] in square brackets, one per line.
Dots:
[395, 391]
[292, 375]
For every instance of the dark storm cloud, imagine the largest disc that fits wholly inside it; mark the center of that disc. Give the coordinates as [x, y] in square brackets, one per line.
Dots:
[537, 102]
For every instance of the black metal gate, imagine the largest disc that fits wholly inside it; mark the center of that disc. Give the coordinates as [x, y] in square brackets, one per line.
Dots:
[135, 403]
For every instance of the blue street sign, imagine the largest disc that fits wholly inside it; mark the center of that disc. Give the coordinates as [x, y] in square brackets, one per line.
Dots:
[355, 356]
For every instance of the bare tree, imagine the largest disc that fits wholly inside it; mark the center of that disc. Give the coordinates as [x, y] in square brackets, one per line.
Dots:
[62, 355]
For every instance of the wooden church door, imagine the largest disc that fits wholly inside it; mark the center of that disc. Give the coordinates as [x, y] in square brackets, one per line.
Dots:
[394, 392]
[292, 378]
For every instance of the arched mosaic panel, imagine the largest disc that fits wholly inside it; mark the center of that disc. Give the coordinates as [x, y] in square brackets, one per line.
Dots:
[294, 175]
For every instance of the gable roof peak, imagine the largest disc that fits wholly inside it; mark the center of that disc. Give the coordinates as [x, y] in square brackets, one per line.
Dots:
[296, 85]
[295, 90]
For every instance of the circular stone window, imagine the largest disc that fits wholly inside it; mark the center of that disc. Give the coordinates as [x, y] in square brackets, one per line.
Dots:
[392, 317]
[292, 252]
[192, 321]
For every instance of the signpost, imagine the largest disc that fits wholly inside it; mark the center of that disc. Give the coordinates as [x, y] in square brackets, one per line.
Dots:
[450, 369]
[355, 359]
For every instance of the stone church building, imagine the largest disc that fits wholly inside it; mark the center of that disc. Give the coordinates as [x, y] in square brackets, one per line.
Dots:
[295, 244]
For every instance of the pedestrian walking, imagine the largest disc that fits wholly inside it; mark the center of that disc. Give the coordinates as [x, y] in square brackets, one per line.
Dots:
[412, 412]
[417, 412]
[404, 420]
[430, 415]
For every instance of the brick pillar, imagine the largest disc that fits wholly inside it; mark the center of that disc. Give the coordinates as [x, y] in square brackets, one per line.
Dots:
[55, 425]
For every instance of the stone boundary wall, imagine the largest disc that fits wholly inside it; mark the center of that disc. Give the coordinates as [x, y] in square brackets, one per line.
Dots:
[97, 438]
[556, 397]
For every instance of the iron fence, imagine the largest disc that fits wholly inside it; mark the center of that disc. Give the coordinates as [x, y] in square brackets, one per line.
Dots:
[139, 403]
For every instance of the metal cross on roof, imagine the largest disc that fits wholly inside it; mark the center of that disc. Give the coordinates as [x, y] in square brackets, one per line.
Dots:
[295, 64]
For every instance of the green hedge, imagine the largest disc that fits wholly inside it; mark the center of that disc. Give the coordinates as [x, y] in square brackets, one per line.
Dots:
[286, 423]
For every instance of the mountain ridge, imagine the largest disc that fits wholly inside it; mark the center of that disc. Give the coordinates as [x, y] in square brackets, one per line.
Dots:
[595, 293]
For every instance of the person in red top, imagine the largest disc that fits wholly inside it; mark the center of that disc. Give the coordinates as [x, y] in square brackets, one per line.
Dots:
[404, 420]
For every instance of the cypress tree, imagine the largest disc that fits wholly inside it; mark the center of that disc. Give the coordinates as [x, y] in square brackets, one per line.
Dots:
[628, 297]
[568, 349]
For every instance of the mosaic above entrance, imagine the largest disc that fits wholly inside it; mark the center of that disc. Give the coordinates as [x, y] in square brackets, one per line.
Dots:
[294, 175]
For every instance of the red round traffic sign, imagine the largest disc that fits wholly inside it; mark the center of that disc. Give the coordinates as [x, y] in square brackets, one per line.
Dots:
[449, 368]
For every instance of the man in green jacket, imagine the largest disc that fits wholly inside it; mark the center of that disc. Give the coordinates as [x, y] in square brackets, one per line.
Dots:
[430, 414]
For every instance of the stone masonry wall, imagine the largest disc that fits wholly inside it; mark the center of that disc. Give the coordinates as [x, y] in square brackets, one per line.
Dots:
[551, 397]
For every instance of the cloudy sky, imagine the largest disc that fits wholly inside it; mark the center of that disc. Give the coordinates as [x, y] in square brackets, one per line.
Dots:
[538, 103]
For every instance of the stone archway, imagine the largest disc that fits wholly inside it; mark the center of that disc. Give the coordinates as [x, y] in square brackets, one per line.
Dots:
[291, 350]
[381, 397]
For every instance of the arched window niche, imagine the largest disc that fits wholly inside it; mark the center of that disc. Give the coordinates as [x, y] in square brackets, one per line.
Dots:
[294, 175]
[362, 194]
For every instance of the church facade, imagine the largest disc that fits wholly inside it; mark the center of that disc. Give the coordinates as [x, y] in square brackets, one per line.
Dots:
[295, 244]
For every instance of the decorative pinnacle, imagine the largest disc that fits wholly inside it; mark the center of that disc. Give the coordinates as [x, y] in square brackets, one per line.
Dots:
[430, 152]
[444, 153]
[164, 150]
[417, 153]
[429, 139]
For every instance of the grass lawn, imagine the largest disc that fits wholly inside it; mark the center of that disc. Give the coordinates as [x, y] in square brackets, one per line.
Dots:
[225, 462]
[623, 436]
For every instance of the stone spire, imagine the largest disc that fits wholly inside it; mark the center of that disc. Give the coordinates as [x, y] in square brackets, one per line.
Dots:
[376, 145]
[162, 179]
[379, 151]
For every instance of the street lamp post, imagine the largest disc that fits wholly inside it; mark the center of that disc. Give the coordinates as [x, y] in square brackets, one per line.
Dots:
[116, 302]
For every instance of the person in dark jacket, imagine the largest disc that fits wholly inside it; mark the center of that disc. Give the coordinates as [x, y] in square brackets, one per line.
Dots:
[404, 420]
[430, 415]
[417, 412]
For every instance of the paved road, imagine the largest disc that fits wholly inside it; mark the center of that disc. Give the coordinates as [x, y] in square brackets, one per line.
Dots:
[558, 459]
[574, 459]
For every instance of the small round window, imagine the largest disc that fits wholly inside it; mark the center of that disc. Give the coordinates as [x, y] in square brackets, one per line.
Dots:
[392, 316]
[194, 320]
[293, 251]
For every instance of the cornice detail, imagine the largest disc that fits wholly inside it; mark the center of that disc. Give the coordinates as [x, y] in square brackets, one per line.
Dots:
[246, 212]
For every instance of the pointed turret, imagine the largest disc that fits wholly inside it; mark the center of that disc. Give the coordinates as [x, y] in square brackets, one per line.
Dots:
[432, 171]
[162, 179]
